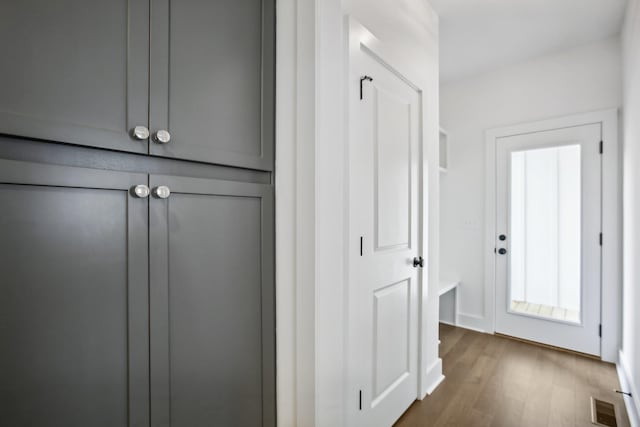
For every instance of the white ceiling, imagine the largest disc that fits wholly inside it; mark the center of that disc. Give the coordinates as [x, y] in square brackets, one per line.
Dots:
[480, 35]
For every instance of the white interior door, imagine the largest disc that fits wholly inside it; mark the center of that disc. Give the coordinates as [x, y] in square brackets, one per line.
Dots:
[548, 237]
[385, 190]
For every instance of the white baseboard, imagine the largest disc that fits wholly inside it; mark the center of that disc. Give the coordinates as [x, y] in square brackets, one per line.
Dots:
[472, 322]
[626, 382]
[434, 377]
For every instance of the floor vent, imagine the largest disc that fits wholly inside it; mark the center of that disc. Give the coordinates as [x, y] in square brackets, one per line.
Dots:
[603, 413]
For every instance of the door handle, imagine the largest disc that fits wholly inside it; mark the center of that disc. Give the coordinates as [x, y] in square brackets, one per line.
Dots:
[418, 262]
[502, 251]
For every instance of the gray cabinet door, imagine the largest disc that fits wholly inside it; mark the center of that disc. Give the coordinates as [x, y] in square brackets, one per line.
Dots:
[75, 71]
[212, 304]
[213, 80]
[73, 298]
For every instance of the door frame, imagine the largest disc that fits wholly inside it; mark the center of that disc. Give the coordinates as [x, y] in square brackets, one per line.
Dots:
[359, 36]
[611, 289]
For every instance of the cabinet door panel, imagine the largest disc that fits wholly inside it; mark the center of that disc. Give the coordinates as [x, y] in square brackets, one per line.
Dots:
[212, 304]
[73, 298]
[75, 71]
[213, 87]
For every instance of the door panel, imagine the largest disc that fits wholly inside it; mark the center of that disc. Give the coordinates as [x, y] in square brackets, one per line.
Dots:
[75, 71]
[385, 171]
[549, 214]
[212, 304]
[392, 328]
[212, 80]
[392, 139]
[73, 304]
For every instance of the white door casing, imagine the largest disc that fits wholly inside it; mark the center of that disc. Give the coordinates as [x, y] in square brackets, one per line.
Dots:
[580, 333]
[385, 189]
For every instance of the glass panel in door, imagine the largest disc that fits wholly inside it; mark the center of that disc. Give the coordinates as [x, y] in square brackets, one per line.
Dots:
[545, 204]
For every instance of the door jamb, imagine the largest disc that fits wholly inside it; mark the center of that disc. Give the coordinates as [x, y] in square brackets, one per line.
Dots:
[611, 289]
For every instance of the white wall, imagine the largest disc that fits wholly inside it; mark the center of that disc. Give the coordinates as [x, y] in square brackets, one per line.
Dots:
[311, 194]
[630, 354]
[579, 80]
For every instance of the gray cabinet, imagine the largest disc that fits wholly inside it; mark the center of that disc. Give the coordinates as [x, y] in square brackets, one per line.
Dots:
[78, 71]
[119, 310]
[75, 71]
[73, 297]
[212, 304]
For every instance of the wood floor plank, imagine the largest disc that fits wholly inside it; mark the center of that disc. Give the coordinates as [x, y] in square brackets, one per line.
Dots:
[494, 381]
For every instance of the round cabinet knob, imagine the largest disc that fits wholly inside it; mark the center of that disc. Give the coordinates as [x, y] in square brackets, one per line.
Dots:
[141, 191]
[140, 132]
[162, 137]
[502, 251]
[162, 192]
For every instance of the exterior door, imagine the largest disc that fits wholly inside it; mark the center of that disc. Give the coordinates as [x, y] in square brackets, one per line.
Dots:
[213, 81]
[385, 191]
[73, 297]
[548, 258]
[75, 71]
[212, 303]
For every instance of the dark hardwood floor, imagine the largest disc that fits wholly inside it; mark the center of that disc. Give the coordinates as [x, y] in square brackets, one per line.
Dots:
[496, 381]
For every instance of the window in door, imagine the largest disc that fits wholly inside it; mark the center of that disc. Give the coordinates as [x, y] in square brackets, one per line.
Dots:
[545, 230]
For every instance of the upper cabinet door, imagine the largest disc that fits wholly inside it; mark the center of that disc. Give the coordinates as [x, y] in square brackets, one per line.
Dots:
[212, 81]
[75, 71]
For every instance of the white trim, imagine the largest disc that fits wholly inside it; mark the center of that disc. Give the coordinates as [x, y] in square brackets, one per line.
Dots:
[434, 376]
[295, 210]
[631, 403]
[472, 322]
[446, 322]
[611, 219]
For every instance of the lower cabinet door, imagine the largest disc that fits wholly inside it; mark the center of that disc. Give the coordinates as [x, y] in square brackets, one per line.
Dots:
[73, 297]
[212, 303]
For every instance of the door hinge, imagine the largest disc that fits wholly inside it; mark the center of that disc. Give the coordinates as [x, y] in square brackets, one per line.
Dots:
[362, 80]
[600, 239]
[360, 400]
[361, 245]
[600, 330]
[601, 147]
